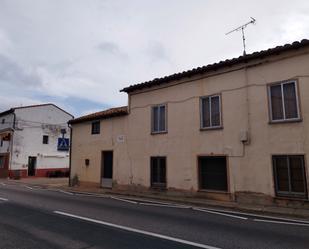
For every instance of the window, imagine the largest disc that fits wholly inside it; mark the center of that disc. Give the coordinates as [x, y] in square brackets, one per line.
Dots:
[158, 119]
[3, 121]
[210, 110]
[213, 173]
[2, 162]
[283, 101]
[290, 177]
[1, 142]
[158, 172]
[45, 139]
[95, 127]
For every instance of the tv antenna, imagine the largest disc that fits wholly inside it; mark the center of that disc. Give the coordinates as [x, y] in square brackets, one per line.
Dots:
[242, 28]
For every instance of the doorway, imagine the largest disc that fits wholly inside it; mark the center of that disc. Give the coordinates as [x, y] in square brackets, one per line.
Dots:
[213, 173]
[107, 169]
[31, 165]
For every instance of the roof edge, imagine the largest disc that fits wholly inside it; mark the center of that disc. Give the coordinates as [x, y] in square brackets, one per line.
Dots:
[215, 66]
[41, 105]
[106, 114]
[6, 112]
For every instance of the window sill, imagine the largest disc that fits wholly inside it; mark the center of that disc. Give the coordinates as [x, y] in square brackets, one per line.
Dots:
[158, 132]
[211, 128]
[298, 120]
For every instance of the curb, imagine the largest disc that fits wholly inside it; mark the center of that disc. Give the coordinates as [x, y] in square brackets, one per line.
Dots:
[265, 210]
[224, 206]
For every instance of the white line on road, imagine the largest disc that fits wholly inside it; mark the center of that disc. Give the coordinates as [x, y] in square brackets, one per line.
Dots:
[153, 201]
[281, 222]
[218, 213]
[186, 242]
[91, 195]
[3, 184]
[258, 215]
[64, 192]
[164, 205]
[3, 199]
[125, 200]
[28, 187]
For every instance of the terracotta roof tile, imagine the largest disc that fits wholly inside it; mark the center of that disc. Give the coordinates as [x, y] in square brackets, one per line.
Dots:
[216, 66]
[109, 113]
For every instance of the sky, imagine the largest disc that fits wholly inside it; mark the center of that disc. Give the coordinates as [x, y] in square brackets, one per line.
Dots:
[78, 54]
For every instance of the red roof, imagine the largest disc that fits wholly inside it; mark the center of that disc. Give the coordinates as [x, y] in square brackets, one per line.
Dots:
[109, 113]
[216, 66]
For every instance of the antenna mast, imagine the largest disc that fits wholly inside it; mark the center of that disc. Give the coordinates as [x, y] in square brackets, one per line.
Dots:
[242, 28]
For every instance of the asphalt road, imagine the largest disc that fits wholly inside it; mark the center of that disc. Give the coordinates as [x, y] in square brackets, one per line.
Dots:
[32, 217]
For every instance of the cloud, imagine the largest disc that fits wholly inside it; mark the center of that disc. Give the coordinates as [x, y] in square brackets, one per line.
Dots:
[295, 28]
[109, 47]
[13, 73]
[74, 49]
[86, 112]
[157, 51]
[16, 101]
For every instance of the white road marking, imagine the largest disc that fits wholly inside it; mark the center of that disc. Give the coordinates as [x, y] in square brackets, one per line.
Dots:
[259, 215]
[28, 187]
[219, 213]
[281, 222]
[3, 184]
[155, 202]
[134, 230]
[227, 213]
[3, 199]
[91, 195]
[164, 205]
[64, 192]
[125, 200]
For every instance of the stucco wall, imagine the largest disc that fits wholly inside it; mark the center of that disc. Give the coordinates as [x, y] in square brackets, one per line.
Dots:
[244, 108]
[5, 129]
[8, 121]
[31, 124]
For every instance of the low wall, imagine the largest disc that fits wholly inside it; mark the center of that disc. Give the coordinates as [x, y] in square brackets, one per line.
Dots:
[22, 173]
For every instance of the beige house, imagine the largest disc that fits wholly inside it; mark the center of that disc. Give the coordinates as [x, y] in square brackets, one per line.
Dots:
[235, 130]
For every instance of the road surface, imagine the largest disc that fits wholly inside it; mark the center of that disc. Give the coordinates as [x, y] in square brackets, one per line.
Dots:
[33, 217]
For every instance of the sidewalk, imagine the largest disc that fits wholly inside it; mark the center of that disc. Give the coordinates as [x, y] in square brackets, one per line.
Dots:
[62, 183]
[44, 182]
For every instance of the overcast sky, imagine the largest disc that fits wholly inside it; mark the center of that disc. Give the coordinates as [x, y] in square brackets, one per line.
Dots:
[78, 54]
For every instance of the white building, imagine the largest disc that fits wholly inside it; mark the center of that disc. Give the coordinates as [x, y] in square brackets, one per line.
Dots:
[34, 141]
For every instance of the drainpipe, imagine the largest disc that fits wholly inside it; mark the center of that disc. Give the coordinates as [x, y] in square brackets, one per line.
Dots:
[70, 155]
[248, 106]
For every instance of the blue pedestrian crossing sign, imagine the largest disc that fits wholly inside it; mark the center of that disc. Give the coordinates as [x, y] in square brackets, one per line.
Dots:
[63, 144]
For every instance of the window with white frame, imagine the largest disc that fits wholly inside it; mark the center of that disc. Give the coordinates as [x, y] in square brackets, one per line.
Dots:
[158, 119]
[210, 111]
[283, 101]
